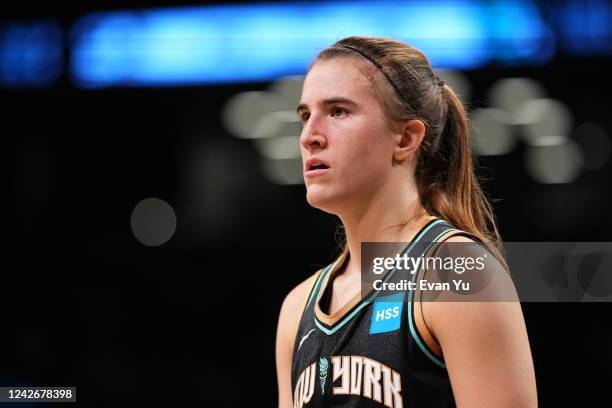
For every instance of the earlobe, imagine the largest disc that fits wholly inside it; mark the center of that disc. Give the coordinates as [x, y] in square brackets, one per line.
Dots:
[413, 133]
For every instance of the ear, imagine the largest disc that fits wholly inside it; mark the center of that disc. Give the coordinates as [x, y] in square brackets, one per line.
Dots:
[413, 132]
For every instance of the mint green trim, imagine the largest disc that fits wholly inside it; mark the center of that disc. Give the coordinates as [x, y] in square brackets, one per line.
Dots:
[368, 301]
[315, 288]
[413, 332]
[343, 322]
[422, 346]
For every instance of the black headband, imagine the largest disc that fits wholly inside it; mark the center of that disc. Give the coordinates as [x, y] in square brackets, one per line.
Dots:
[380, 67]
[439, 82]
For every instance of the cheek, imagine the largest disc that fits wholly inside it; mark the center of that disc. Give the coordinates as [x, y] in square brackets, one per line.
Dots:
[365, 150]
[369, 153]
[366, 164]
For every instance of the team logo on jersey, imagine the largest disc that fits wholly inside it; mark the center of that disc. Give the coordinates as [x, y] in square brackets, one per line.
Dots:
[323, 366]
[387, 314]
[365, 377]
[355, 376]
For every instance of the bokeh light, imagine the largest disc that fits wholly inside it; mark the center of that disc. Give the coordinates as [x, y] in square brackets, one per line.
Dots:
[153, 222]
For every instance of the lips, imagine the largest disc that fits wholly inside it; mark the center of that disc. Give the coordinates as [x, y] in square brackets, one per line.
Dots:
[314, 167]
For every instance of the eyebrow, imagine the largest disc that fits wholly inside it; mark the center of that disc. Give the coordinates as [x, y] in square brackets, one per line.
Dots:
[329, 101]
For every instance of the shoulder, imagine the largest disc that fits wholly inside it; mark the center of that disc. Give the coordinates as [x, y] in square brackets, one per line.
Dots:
[482, 333]
[296, 299]
[292, 307]
[483, 296]
[288, 324]
[474, 262]
[459, 242]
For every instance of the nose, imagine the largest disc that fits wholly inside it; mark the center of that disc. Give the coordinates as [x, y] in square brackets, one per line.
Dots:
[313, 137]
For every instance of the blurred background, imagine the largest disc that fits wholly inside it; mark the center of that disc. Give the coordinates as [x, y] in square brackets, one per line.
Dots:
[156, 213]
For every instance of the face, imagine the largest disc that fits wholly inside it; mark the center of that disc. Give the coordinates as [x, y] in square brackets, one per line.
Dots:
[347, 144]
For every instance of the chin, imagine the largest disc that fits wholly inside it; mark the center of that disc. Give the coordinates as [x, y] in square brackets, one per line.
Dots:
[323, 200]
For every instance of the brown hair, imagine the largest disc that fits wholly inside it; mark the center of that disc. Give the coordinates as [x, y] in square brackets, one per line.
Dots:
[445, 177]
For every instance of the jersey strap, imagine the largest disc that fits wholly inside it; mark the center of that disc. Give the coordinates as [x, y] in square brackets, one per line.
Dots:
[416, 334]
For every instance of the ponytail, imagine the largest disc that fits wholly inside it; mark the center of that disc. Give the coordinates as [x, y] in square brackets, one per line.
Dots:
[446, 180]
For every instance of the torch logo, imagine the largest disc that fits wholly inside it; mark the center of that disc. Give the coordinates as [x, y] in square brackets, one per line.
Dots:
[323, 366]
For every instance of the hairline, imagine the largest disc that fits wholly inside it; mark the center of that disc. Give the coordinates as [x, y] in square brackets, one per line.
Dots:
[376, 77]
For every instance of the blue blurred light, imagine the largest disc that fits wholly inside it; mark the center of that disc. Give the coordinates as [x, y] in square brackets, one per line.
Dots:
[517, 34]
[31, 55]
[260, 42]
[585, 28]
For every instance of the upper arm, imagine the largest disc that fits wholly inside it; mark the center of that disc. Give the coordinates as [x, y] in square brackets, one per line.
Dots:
[288, 323]
[486, 350]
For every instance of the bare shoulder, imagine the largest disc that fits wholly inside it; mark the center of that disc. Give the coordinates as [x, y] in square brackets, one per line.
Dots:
[288, 324]
[297, 297]
[480, 268]
[292, 308]
[484, 340]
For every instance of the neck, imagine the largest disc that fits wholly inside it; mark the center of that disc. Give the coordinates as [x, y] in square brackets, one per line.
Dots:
[378, 221]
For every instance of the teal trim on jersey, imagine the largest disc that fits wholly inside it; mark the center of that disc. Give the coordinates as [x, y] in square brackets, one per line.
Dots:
[436, 360]
[315, 288]
[337, 326]
[343, 322]
[422, 346]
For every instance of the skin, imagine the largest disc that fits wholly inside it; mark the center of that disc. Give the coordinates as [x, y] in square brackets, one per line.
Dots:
[371, 163]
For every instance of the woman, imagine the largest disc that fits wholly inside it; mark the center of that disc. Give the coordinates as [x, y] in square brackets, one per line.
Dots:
[385, 148]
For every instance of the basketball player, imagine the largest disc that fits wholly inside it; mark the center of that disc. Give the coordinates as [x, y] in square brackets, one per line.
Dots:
[385, 148]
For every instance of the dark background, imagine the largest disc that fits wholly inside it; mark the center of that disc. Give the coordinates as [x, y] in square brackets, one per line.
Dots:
[193, 321]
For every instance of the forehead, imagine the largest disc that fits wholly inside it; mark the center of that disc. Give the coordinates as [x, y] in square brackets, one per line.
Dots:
[344, 77]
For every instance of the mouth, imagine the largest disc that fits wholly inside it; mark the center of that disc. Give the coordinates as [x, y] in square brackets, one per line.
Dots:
[315, 167]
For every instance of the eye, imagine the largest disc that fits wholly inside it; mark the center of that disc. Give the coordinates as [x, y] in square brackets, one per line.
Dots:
[338, 111]
[304, 117]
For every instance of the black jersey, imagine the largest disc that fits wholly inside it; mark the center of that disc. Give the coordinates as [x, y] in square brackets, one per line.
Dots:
[369, 353]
